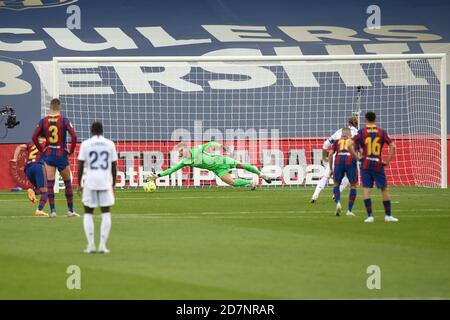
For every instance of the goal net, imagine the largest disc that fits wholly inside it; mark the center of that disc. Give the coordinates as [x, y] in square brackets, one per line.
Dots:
[274, 112]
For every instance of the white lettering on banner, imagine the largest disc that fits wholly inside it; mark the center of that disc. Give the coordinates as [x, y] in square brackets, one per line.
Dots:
[158, 37]
[25, 45]
[402, 33]
[259, 77]
[293, 172]
[315, 33]
[301, 74]
[115, 37]
[135, 80]
[304, 74]
[399, 73]
[228, 33]
[9, 77]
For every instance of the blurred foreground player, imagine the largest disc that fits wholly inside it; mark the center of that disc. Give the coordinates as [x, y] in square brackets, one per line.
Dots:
[98, 155]
[35, 172]
[55, 128]
[370, 141]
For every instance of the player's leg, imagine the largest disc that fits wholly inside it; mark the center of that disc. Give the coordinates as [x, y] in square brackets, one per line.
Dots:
[352, 198]
[228, 179]
[30, 176]
[382, 184]
[367, 181]
[66, 175]
[90, 201]
[321, 184]
[338, 175]
[352, 177]
[368, 204]
[106, 201]
[41, 184]
[50, 172]
[254, 170]
[344, 184]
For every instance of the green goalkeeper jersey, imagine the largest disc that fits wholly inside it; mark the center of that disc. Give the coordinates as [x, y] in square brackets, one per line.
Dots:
[218, 164]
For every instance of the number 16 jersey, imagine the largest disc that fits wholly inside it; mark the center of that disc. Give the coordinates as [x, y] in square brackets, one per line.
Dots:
[371, 139]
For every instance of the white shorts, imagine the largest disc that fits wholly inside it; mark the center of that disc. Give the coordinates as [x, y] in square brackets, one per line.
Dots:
[98, 198]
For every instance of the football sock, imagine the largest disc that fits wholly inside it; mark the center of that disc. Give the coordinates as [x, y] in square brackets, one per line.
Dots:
[105, 228]
[241, 182]
[51, 195]
[337, 194]
[322, 183]
[368, 204]
[351, 199]
[344, 184]
[43, 200]
[88, 224]
[387, 207]
[69, 194]
[251, 168]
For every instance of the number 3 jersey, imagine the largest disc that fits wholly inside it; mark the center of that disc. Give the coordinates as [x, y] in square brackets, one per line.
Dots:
[55, 129]
[371, 140]
[98, 153]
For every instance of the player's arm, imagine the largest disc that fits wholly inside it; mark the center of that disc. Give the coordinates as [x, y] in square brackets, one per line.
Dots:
[18, 150]
[114, 160]
[330, 160]
[326, 145]
[114, 172]
[391, 151]
[352, 149]
[73, 136]
[80, 175]
[166, 172]
[81, 159]
[35, 137]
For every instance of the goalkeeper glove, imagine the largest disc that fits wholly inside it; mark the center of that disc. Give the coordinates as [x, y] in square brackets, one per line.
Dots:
[152, 177]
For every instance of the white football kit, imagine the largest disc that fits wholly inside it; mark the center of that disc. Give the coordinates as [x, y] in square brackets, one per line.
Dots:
[98, 154]
[326, 177]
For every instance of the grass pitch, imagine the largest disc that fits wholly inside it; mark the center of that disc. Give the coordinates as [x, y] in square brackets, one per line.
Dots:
[231, 244]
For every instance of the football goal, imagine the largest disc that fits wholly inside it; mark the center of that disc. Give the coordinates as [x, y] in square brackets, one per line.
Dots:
[273, 112]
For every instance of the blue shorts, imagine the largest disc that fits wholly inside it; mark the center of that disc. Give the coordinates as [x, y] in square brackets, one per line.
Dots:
[370, 176]
[36, 174]
[58, 162]
[342, 169]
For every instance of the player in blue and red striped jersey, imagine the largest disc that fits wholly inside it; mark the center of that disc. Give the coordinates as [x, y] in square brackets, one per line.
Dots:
[344, 165]
[370, 141]
[35, 172]
[55, 127]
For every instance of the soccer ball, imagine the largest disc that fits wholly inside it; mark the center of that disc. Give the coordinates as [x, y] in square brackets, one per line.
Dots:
[149, 186]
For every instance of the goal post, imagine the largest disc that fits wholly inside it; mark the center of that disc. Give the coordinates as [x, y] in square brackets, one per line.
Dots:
[273, 111]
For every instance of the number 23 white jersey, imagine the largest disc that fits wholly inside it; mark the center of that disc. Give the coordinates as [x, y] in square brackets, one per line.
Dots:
[98, 154]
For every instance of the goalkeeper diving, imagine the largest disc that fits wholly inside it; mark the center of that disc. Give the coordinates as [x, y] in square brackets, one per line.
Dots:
[198, 157]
